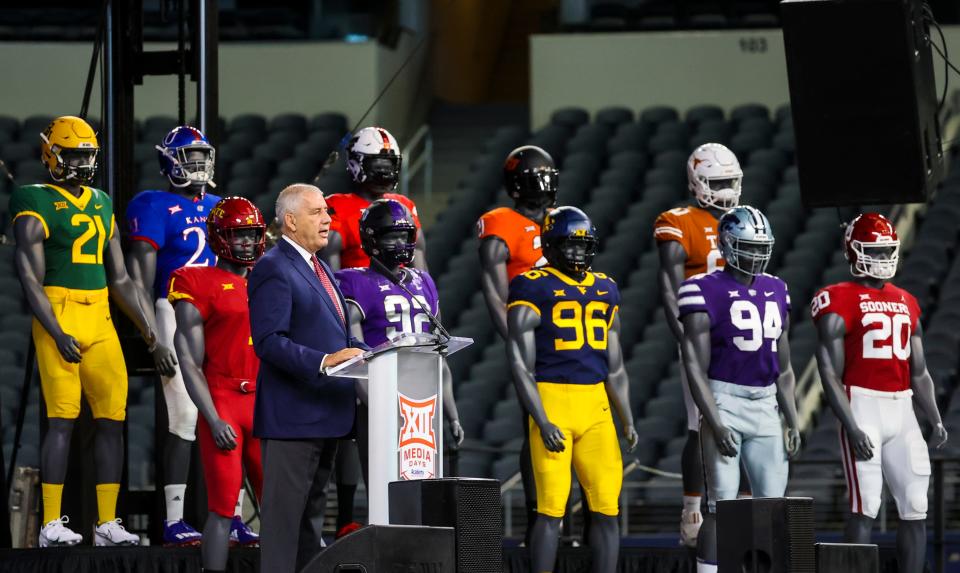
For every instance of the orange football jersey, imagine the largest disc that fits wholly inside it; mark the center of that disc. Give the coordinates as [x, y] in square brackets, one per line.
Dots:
[696, 231]
[346, 210]
[521, 235]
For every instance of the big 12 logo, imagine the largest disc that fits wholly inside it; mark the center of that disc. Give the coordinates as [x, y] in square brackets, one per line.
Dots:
[418, 441]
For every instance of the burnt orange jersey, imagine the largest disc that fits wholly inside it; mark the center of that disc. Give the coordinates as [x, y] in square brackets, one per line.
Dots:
[696, 231]
[521, 235]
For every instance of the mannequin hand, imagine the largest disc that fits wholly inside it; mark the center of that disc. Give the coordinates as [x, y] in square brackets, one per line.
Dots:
[223, 435]
[164, 360]
[938, 437]
[68, 346]
[862, 446]
[793, 443]
[630, 433]
[457, 430]
[726, 441]
[552, 437]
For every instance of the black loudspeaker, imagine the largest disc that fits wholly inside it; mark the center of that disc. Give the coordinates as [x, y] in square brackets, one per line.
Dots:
[864, 101]
[471, 506]
[765, 535]
[847, 558]
[388, 549]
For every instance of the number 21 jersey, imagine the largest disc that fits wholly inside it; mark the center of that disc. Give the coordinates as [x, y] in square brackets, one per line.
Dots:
[384, 307]
[879, 324]
[176, 226]
[745, 324]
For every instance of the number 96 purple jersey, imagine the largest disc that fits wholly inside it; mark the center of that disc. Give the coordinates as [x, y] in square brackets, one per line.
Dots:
[745, 324]
[385, 309]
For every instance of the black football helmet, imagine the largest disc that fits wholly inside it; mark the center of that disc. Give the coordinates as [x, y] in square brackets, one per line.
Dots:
[569, 241]
[530, 177]
[388, 233]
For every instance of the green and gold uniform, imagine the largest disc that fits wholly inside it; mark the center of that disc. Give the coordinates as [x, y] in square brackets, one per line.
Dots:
[76, 232]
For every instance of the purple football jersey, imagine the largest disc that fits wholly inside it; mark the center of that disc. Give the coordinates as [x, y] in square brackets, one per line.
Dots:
[387, 310]
[745, 324]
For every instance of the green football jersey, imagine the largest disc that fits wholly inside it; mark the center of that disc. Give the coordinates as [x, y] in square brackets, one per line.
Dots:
[76, 232]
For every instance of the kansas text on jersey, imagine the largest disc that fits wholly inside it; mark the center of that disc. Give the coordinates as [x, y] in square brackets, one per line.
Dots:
[76, 231]
[575, 318]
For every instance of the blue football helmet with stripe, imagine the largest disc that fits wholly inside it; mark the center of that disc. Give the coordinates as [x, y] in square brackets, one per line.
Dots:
[746, 239]
[186, 157]
[569, 240]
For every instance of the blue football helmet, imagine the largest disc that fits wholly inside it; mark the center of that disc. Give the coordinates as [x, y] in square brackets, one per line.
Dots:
[746, 239]
[186, 157]
[569, 240]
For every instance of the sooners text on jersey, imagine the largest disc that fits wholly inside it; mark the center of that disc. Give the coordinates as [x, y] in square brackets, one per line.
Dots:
[879, 324]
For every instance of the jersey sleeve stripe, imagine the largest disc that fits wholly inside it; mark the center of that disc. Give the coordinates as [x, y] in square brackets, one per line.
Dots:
[46, 229]
[145, 240]
[524, 303]
[174, 296]
[356, 305]
[113, 227]
[613, 316]
[688, 300]
[688, 288]
[668, 231]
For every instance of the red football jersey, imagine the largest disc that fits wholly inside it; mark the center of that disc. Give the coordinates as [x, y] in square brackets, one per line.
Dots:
[879, 324]
[221, 298]
[347, 208]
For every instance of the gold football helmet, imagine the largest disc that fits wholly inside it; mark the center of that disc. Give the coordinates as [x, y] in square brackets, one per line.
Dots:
[69, 150]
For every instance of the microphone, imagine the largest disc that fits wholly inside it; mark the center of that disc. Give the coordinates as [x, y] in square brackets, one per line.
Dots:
[396, 280]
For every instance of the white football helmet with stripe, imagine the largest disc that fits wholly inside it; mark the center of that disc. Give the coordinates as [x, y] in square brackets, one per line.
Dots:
[714, 176]
[374, 159]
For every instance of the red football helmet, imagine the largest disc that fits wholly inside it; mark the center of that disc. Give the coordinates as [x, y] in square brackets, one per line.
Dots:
[872, 247]
[226, 219]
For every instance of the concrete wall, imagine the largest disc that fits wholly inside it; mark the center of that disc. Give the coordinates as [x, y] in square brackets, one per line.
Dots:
[681, 69]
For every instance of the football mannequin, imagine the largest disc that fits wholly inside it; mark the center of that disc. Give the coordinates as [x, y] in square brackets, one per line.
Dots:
[220, 368]
[378, 309]
[871, 361]
[736, 352]
[563, 348]
[374, 162]
[69, 261]
[509, 246]
[167, 230]
[687, 243]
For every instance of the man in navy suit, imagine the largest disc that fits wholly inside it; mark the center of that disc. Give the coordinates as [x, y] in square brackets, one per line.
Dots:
[297, 321]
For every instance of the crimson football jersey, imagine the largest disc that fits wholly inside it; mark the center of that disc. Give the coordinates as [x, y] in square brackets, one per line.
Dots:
[221, 298]
[346, 210]
[879, 324]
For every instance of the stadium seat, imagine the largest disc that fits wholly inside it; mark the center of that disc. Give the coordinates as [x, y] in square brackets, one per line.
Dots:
[697, 115]
[335, 122]
[570, 117]
[659, 114]
[614, 116]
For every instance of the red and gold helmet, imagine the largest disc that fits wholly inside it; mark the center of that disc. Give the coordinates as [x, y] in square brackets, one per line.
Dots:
[226, 226]
[872, 247]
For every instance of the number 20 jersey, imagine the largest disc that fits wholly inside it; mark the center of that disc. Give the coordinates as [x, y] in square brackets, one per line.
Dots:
[575, 318]
[879, 324]
[176, 226]
[745, 324]
[385, 308]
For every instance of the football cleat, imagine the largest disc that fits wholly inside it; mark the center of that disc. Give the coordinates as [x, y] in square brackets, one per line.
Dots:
[111, 533]
[348, 529]
[56, 534]
[530, 177]
[180, 534]
[745, 239]
[68, 147]
[872, 247]
[569, 240]
[236, 231]
[714, 176]
[388, 233]
[690, 522]
[241, 534]
[374, 160]
[186, 157]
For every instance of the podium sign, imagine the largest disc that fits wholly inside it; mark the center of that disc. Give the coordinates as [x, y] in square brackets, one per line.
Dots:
[405, 402]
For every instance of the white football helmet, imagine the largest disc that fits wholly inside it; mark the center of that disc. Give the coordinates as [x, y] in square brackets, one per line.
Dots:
[374, 159]
[714, 176]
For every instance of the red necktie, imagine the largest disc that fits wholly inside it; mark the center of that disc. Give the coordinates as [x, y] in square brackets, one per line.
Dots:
[328, 286]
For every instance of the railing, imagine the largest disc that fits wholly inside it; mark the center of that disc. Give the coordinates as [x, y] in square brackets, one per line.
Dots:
[416, 163]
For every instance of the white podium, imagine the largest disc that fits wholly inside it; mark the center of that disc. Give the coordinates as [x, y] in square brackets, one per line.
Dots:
[405, 402]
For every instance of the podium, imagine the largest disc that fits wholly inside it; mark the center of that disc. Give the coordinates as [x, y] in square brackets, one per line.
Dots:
[405, 402]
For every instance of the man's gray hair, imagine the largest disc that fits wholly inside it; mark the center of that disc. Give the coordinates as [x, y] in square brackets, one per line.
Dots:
[289, 199]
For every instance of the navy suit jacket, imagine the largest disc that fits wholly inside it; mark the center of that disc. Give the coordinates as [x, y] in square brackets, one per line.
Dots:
[294, 324]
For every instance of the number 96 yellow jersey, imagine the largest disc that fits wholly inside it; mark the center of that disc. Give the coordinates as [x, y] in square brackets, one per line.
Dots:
[575, 318]
[76, 231]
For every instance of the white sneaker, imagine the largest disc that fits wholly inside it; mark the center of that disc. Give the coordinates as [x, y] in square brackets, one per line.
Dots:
[112, 533]
[690, 527]
[55, 534]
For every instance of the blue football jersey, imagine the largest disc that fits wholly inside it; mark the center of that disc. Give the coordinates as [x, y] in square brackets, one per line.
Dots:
[176, 226]
[575, 318]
